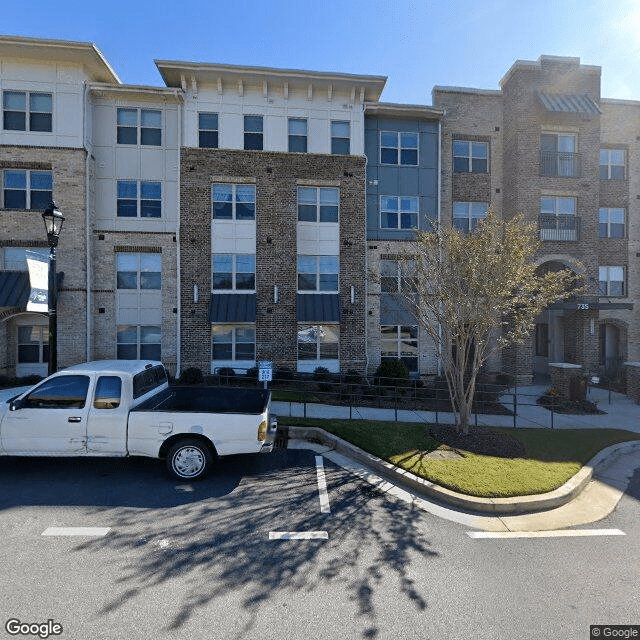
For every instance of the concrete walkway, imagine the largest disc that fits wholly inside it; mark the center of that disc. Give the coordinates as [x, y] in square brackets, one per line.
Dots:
[620, 412]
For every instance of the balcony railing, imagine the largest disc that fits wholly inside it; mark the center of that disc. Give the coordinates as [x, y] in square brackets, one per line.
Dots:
[562, 165]
[561, 228]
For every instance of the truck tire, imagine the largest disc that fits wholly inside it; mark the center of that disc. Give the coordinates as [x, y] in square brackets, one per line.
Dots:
[189, 459]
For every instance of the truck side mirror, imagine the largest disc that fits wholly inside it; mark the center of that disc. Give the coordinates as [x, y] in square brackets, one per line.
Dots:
[14, 405]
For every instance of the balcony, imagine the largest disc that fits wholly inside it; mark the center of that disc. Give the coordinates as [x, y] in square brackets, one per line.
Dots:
[559, 228]
[561, 165]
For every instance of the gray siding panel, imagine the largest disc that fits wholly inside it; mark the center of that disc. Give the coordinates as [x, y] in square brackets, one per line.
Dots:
[232, 307]
[14, 289]
[318, 307]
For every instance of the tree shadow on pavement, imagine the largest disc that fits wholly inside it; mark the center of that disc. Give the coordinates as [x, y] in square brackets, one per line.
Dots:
[220, 546]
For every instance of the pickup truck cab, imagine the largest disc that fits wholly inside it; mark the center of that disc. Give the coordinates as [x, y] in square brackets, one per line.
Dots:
[127, 408]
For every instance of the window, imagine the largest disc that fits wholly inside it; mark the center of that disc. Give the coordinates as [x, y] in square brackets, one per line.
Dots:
[318, 204]
[397, 212]
[558, 219]
[108, 392]
[611, 281]
[208, 130]
[33, 344]
[467, 214]
[612, 164]
[401, 342]
[542, 339]
[139, 199]
[470, 157]
[21, 108]
[233, 201]
[558, 155]
[318, 341]
[24, 189]
[148, 380]
[395, 277]
[398, 148]
[611, 222]
[63, 392]
[138, 342]
[253, 133]
[340, 137]
[233, 272]
[148, 121]
[15, 258]
[233, 342]
[140, 271]
[318, 273]
[298, 135]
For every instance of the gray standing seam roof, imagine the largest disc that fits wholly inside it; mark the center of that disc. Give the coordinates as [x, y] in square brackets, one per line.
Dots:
[318, 307]
[14, 289]
[569, 103]
[232, 307]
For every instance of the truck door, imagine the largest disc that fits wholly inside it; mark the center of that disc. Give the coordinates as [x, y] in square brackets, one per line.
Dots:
[107, 425]
[50, 420]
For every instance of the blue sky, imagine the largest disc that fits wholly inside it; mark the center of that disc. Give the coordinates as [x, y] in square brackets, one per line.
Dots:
[417, 44]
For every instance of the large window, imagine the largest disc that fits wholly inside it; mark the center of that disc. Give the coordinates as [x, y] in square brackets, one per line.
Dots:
[398, 341]
[139, 126]
[612, 164]
[140, 271]
[340, 137]
[24, 189]
[466, 215]
[318, 204]
[298, 135]
[62, 392]
[470, 157]
[611, 222]
[318, 341]
[253, 133]
[233, 201]
[23, 111]
[33, 344]
[233, 272]
[136, 342]
[139, 198]
[208, 130]
[558, 155]
[398, 212]
[318, 274]
[395, 276]
[398, 148]
[558, 220]
[15, 258]
[611, 281]
[233, 342]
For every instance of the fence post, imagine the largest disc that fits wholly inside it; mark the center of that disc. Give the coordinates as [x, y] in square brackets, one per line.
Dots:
[515, 408]
[304, 399]
[553, 402]
[396, 401]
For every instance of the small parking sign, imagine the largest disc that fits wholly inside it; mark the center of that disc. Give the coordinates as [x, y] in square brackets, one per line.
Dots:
[265, 371]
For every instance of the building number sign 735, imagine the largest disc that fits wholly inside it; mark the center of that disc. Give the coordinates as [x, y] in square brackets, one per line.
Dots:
[583, 306]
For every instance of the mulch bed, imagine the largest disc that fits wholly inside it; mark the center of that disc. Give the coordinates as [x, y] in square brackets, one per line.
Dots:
[481, 441]
[570, 407]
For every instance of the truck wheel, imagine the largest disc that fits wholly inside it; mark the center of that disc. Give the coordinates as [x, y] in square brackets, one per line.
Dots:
[189, 459]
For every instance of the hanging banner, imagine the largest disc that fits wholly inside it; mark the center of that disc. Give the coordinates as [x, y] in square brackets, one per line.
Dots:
[38, 266]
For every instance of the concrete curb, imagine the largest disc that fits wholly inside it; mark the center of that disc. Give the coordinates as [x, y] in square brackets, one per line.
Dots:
[494, 506]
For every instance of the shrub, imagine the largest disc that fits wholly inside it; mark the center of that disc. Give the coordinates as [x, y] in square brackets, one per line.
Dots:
[192, 375]
[392, 372]
[352, 377]
[252, 373]
[225, 373]
[323, 377]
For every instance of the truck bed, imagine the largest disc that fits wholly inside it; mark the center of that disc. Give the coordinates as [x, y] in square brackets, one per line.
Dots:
[208, 400]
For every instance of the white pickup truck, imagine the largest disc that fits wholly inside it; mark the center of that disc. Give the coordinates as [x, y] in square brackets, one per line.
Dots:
[127, 408]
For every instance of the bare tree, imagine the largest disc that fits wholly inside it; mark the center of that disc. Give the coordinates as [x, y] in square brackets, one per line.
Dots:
[475, 293]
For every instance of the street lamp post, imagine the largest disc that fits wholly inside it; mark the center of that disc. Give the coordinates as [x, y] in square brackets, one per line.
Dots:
[53, 220]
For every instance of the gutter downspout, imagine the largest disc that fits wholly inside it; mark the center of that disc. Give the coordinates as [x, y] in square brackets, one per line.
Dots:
[87, 205]
[178, 279]
[439, 221]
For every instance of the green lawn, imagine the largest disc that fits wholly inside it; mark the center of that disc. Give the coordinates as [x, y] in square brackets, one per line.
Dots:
[552, 457]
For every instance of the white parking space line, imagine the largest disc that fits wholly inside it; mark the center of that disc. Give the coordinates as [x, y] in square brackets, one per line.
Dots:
[322, 486]
[298, 535]
[76, 531]
[560, 533]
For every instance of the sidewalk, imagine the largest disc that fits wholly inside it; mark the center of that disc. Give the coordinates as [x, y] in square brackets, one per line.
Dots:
[621, 413]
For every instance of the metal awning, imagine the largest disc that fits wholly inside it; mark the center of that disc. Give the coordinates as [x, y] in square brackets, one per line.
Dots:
[14, 289]
[316, 307]
[569, 103]
[232, 307]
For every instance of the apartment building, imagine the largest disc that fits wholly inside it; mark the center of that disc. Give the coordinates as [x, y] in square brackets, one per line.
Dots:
[548, 146]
